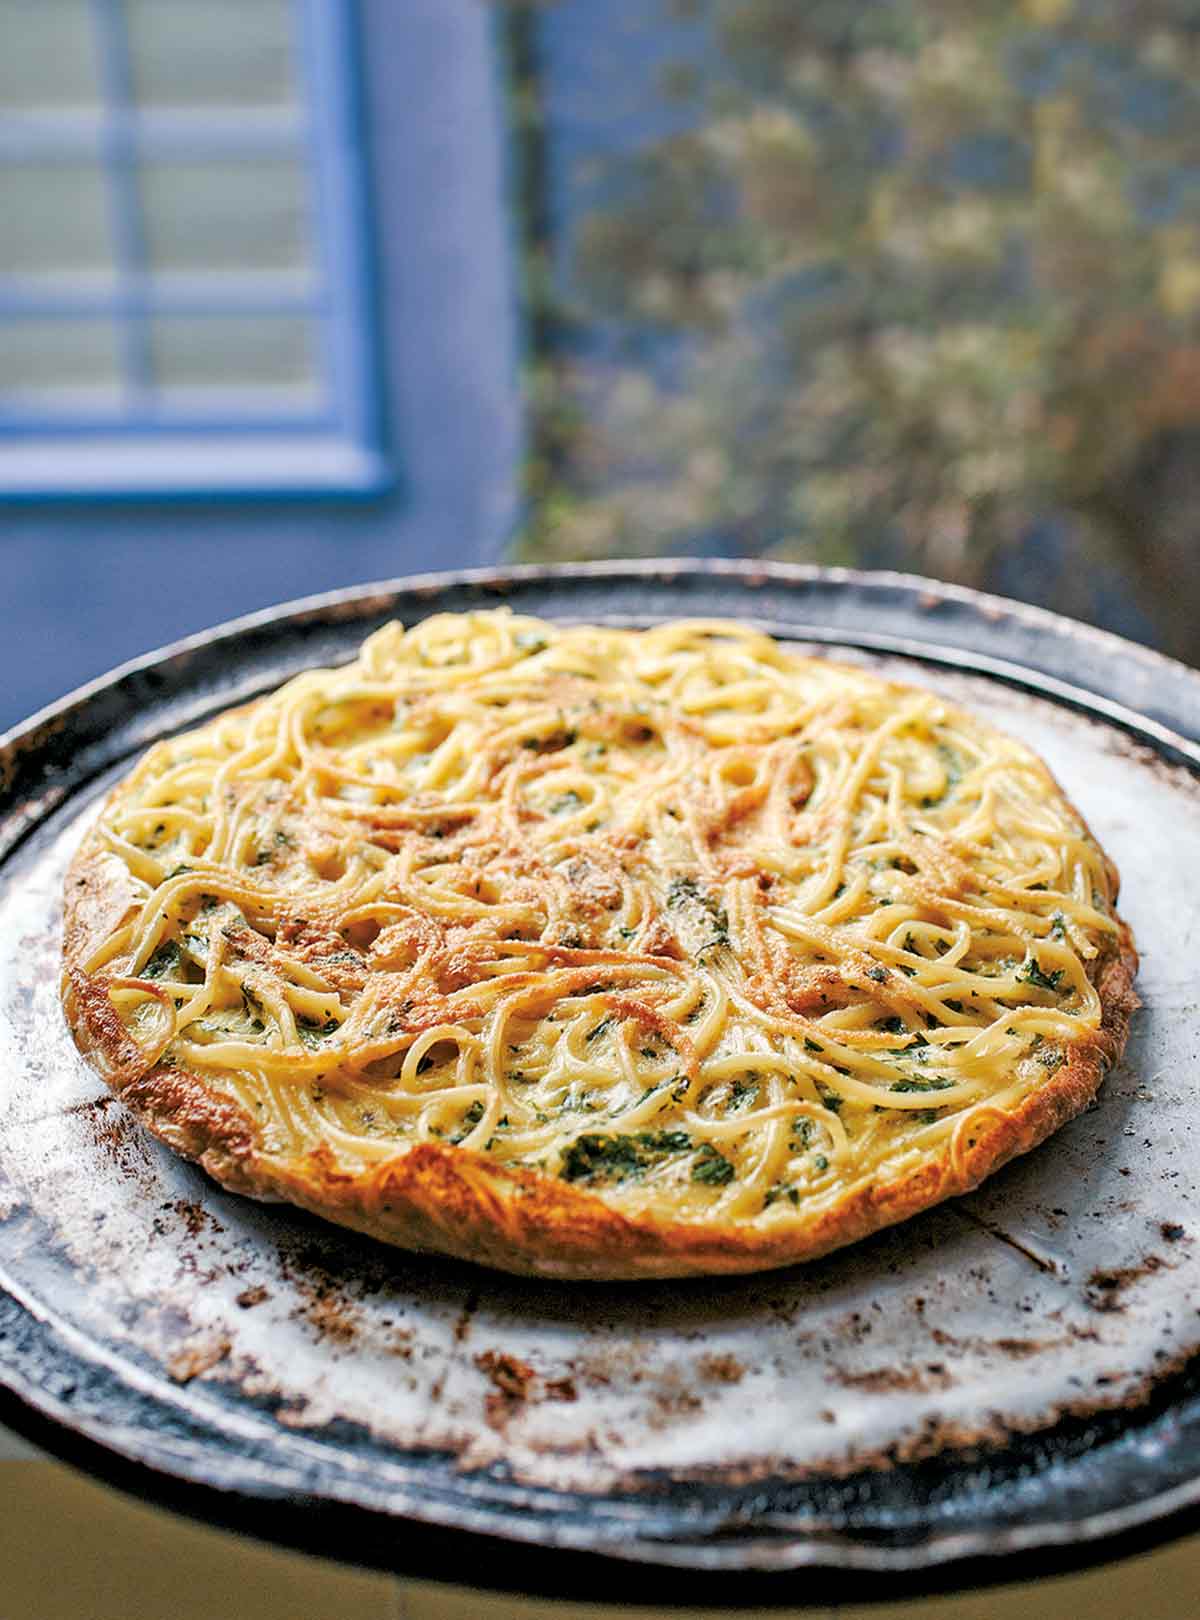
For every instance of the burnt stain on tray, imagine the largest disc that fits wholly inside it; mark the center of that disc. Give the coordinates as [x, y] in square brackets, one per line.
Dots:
[1105, 1288]
[1021, 1357]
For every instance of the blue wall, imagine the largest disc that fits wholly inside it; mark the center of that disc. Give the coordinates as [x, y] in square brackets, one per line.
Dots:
[86, 586]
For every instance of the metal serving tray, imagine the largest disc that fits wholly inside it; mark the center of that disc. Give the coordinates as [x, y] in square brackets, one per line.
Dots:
[1005, 1385]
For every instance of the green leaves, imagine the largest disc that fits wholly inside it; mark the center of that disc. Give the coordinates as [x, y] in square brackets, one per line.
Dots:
[469, 1121]
[165, 961]
[932, 1082]
[570, 800]
[604, 1159]
[711, 1168]
[1031, 973]
[684, 893]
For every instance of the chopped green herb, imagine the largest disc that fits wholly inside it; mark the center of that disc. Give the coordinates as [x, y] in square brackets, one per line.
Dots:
[253, 1008]
[712, 1168]
[954, 771]
[1031, 973]
[742, 1092]
[594, 1157]
[802, 1129]
[469, 1121]
[685, 891]
[313, 1034]
[565, 801]
[164, 962]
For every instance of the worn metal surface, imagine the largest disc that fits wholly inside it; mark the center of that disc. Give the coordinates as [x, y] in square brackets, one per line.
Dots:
[1011, 1371]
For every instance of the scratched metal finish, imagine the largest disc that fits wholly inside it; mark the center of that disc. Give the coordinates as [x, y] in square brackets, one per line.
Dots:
[833, 1414]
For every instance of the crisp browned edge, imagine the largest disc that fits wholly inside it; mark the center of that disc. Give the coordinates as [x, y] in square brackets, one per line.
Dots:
[438, 1198]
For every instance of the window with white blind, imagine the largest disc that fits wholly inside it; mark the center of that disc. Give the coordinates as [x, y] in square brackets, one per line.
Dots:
[184, 295]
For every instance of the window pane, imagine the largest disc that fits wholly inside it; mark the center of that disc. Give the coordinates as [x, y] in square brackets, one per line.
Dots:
[46, 57]
[232, 353]
[225, 215]
[68, 357]
[53, 217]
[216, 53]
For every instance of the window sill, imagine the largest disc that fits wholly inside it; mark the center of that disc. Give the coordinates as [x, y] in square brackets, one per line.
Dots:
[200, 465]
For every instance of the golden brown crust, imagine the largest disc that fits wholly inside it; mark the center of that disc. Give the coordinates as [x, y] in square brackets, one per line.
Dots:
[444, 1199]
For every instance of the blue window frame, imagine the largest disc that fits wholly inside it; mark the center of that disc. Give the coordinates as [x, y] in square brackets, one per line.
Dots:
[184, 295]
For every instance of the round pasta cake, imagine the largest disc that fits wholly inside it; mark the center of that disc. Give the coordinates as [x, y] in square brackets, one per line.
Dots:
[597, 953]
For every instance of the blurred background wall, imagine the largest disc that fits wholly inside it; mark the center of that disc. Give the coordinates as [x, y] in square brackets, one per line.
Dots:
[187, 428]
[300, 293]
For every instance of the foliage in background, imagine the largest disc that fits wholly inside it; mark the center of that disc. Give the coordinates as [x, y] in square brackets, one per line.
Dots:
[909, 282]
